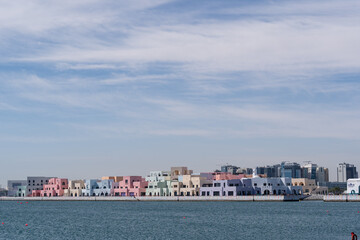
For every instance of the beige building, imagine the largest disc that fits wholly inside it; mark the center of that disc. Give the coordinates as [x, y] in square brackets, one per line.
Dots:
[177, 171]
[309, 186]
[75, 188]
[188, 185]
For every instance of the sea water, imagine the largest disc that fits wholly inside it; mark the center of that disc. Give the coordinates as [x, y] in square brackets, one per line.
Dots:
[178, 220]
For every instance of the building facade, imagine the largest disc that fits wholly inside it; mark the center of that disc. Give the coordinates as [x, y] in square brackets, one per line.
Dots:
[346, 171]
[13, 186]
[36, 183]
[21, 192]
[290, 170]
[95, 187]
[229, 169]
[353, 186]
[188, 185]
[159, 183]
[177, 171]
[269, 171]
[233, 187]
[75, 188]
[133, 186]
[309, 186]
[54, 188]
[114, 178]
[227, 176]
[274, 186]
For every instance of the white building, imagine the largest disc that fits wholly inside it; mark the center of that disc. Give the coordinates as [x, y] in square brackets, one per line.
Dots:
[274, 186]
[353, 186]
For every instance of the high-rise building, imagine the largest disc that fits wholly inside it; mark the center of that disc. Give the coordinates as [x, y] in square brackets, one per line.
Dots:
[244, 171]
[322, 176]
[346, 171]
[313, 171]
[291, 170]
[309, 170]
[229, 169]
[270, 171]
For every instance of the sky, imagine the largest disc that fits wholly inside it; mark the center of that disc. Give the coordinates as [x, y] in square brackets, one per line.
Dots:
[91, 88]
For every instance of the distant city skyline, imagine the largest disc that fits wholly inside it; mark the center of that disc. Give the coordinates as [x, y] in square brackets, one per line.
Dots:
[94, 88]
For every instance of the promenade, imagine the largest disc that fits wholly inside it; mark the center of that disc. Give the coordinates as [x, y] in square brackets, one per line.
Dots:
[269, 198]
[254, 198]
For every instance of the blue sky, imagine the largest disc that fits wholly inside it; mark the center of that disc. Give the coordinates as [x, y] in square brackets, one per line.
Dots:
[91, 88]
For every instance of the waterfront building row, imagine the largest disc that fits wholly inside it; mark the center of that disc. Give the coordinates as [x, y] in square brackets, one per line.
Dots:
[179, 181]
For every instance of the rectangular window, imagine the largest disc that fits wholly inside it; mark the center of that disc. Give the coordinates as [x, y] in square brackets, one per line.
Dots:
[216, 193]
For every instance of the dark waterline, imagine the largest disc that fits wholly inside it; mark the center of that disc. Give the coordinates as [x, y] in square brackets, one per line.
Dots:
[165, 220]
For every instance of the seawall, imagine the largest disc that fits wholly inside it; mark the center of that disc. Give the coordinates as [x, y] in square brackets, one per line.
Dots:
[342, 198]
[268, 198]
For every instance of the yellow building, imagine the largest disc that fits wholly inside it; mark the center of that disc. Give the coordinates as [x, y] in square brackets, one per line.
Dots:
[115, 178]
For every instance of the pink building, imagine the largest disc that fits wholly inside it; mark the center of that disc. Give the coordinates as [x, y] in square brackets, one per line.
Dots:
[227, 176]
[54, 188]
[36, 193]
[130, 186]
[221, 176]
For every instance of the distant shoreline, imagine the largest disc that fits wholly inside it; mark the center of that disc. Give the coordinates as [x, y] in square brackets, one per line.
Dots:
[268, 198]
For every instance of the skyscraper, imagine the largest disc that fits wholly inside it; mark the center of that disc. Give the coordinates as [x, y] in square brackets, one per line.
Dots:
[346, 171]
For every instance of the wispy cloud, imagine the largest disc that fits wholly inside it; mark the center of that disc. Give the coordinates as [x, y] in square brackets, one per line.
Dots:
[278, 69]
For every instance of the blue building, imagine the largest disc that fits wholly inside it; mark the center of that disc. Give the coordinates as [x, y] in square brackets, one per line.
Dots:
[94, 187]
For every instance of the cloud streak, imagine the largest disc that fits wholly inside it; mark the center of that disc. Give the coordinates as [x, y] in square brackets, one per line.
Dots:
[286, 69]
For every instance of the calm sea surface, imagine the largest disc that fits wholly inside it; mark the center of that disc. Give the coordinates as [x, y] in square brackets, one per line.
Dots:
[178, 220]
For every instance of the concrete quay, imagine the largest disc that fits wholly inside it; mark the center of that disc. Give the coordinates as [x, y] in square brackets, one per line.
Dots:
[342, 198]
[267, 198]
